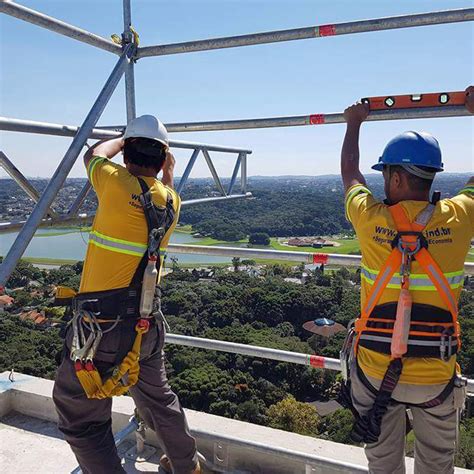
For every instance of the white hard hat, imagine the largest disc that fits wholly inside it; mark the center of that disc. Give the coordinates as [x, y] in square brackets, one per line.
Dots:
[147, 126]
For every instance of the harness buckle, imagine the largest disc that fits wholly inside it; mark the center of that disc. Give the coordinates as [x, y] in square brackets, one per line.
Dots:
[154, 239]
[346, 354]
[78, 305]
[421, 240]
[446, 347]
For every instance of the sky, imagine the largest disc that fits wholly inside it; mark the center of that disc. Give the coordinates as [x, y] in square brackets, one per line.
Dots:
[51, 78]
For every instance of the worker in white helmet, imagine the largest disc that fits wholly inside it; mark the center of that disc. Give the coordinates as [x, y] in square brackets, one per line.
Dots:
[136, 216]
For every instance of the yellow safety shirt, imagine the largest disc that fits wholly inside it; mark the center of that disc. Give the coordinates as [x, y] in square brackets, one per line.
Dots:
[119, 234]
[449, 235]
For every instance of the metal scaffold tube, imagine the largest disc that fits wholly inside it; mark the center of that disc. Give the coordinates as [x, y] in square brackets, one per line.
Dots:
[191, 202]
[363, 26]
[86, 219]
[19, 179]
[271, 254]
[264, 353]
[318, 119]
[58, 26]
[86, 189]
[187, 171]
[61, 173]
[45, 128]
[235, 173]
[213, 171]
[129, 70]
[255, 351]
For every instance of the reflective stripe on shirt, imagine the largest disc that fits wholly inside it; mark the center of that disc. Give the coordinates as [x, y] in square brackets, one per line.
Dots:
[418, 282]
[354, 192]
[92, 164]
[119, 245]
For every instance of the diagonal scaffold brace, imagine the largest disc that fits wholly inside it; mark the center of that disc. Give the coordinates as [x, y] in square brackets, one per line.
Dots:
[61, 173]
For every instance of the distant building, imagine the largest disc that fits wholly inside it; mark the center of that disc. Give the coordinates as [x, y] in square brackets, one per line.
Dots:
[326, 408]
[315, 242]
[36, 317]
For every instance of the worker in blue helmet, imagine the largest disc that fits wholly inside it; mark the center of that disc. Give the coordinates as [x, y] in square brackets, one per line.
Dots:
[402, 350]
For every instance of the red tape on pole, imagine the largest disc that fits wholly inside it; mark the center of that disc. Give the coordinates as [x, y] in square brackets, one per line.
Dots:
[327, 30]
[316, 361]
[320, 258]
[316, 119]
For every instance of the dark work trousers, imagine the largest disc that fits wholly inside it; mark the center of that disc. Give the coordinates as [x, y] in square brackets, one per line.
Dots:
[86, 423]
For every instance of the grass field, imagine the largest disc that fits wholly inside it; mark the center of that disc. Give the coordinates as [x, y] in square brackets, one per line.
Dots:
[49, 261]
[348, 246]
[72, 230]
[185, 229]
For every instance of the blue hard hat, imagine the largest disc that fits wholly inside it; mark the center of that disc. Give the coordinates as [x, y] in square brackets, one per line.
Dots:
[412, 148]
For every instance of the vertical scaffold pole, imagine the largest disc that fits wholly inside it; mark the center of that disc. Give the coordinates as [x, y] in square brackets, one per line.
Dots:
[60, 175]
[129, 69]
[243, 173]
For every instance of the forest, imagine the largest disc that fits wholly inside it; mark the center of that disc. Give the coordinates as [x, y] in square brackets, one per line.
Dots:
[287, 206]
[234, 306]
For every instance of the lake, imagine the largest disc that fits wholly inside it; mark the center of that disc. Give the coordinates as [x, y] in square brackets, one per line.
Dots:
[73, 246]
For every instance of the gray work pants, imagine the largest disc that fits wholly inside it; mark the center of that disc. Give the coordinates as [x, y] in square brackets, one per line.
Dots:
[434, 428]
[86, 423]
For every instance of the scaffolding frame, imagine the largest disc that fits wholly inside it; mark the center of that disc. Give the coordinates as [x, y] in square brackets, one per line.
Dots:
[128, 54]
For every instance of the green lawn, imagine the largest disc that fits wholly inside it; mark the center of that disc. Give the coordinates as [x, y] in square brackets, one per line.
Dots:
[185, 229]
[348, 246]
[72, 230]
[49, 261]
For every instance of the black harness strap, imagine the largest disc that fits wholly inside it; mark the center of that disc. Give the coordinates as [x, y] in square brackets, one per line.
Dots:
[367, 427]
[158, 220]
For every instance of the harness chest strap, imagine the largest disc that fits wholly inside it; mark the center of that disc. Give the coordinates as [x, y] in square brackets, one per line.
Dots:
[393, 263]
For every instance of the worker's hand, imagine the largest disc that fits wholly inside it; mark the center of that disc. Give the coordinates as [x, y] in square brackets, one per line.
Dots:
[6, 300]
[168, 169]
[470, 99]
[169, 162]
[356, 114]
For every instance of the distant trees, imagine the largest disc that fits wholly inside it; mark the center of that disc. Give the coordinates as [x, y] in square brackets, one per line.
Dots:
[26, 349]
[23, 274]
[259, 238]
[337, 426]
[276, 212]
[236, 263]
[291, 415]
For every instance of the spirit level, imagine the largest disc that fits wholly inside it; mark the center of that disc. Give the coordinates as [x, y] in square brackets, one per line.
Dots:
[415, 100]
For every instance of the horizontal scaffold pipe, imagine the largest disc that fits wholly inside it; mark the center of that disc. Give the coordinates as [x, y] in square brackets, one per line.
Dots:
[271, 254]
[263, 352]
[40, 19]
[311, 32]
[84, 219]
[231, 197]
[45, 128]
[255, 351]
[318, 119]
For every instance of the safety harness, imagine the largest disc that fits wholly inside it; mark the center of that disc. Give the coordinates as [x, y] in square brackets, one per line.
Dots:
[94, 309]
[403, 329]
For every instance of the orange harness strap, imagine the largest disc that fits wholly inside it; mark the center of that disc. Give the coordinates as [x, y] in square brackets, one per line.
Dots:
[431, 268]
[393, 263]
